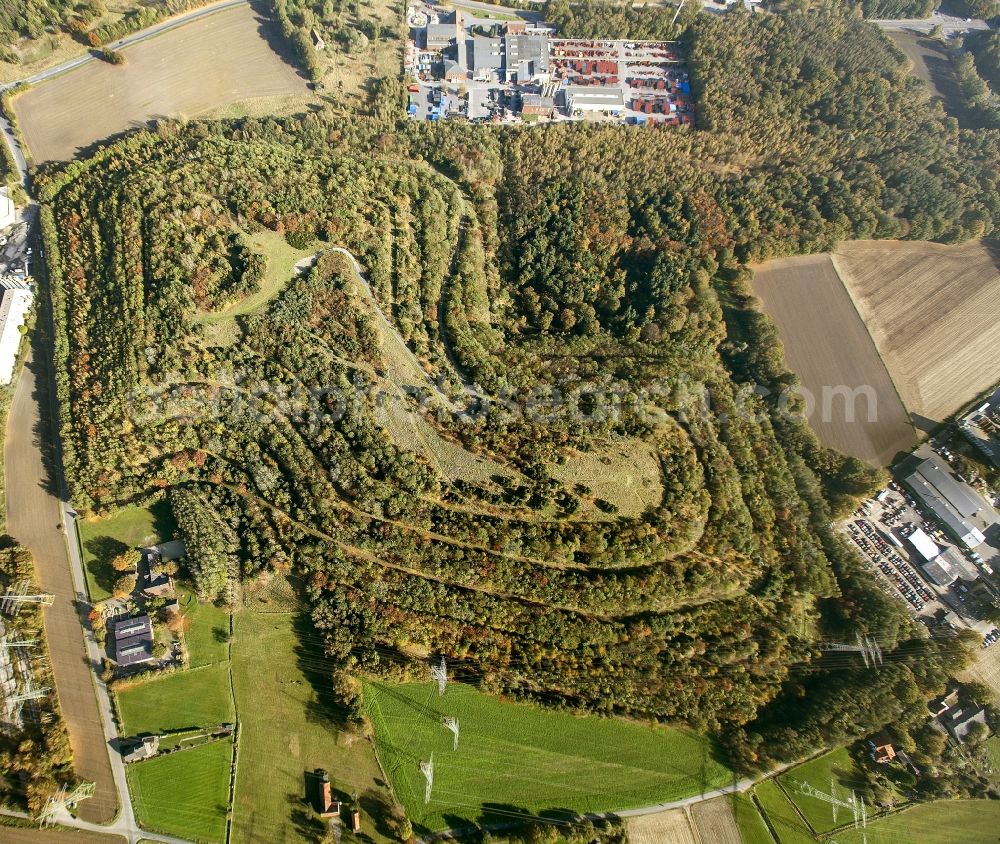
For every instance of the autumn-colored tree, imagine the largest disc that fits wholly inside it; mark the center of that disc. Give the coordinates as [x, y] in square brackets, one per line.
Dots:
[124, 586]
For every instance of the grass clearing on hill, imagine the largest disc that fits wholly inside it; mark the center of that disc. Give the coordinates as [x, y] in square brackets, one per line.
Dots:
[198, 697]
[282, 259]
[520, 758]
[104, 539]
[287, 727]
[184, 793]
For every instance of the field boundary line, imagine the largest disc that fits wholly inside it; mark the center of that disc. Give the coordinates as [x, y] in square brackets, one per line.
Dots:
[835, 263]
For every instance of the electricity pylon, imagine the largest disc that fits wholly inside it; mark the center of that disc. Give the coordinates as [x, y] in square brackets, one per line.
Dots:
[61, 800]
[427, 769]
[439, 673]
[18, 594]
[451, 723]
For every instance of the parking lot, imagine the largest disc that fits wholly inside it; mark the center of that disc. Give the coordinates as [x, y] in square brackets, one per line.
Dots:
[879, 530]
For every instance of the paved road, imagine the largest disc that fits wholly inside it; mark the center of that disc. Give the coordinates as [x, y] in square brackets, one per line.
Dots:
[949, 24]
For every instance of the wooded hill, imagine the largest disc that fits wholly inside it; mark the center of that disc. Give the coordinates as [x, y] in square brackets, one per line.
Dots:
[563, 258]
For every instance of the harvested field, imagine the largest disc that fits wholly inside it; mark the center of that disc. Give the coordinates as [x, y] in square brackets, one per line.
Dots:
[206, 64]
[932, 312]
[716, 821]
[14, 835]
[670, 827]
[855, 407]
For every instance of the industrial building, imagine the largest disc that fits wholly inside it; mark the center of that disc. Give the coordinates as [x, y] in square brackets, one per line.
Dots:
[14, 308]
[487, 58]
[951, 502]
[526, 58]
[8, 213]
[593, 98]
[924, 545]
[982, 428]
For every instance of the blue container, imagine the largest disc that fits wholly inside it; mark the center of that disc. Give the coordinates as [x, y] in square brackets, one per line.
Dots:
[686, 87]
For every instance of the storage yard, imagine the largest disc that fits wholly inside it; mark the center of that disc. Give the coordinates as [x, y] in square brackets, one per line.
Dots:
[488, 71]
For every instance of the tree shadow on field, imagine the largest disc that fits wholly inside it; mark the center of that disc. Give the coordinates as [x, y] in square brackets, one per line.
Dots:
[44, 429]
[323, 709]
[104, 549]
[379, 809]
[270, 33]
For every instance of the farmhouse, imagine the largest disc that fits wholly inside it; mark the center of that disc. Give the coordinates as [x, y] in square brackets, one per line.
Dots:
[14, 307]
[145, 748]
[881, 750]
[133, 640]
[321, 794]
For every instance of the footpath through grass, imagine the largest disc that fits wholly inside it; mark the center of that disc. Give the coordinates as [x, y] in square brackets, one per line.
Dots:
[104, 539]
[184, 793]
[517, 758]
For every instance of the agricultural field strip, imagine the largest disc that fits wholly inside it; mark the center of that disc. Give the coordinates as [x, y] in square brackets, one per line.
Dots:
[163, 77]
[929, 309]
[829, 345]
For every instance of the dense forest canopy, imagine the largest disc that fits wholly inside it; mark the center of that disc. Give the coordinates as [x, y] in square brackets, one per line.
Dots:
[603, 263]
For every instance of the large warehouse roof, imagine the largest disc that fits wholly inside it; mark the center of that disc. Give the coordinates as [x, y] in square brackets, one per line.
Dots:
[924, 544]
[944, 512]
[958, 495]
[14, 308]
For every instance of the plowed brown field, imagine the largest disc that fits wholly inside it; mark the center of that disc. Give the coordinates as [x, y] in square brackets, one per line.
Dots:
[852, 403]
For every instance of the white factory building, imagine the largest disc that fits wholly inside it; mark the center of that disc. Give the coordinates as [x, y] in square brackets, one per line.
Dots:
[14, 307]
[8, 213]
[586, 98]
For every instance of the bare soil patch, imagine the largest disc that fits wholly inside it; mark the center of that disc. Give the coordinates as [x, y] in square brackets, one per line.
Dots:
[715, 821]
[932, 312]
[671, 827]
[855, 408]
[207, 64]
